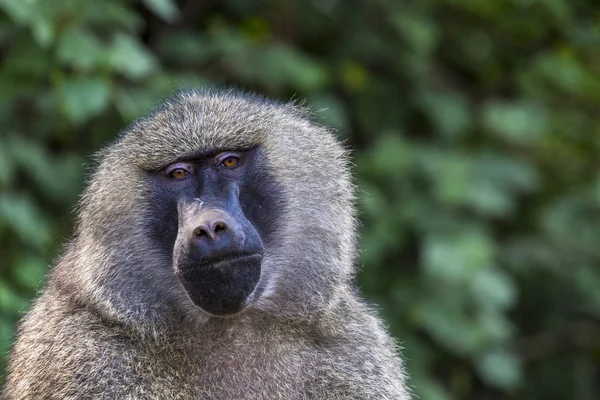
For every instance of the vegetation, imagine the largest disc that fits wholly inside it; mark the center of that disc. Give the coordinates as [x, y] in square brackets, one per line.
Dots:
[476, 134]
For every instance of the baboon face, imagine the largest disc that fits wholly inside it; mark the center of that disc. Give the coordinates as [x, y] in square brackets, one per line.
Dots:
[214, 211]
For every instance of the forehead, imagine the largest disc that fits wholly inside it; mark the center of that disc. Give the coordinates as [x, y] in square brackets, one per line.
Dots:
[193, 123]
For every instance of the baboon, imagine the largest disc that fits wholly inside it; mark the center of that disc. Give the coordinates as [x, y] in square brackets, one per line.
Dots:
[213, 258]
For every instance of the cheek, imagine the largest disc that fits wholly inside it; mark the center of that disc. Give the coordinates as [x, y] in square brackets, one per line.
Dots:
[263, 203]
[162, 222]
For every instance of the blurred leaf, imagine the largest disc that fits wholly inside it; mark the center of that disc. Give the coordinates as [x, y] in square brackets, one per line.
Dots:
[27, 60]
[292, 67]
[43, 29]
[256, 29]
[10, 302]
[391, 158]
[486, 182]
[500, 368]
[354, 76]
[166, 9]
[418, 30]
[19, 10]
[133, 103]
[493, 289]
[30, 272]
[459, 257]
[34, 13]
[35, 160]
[128, 56]
[566, 72]
[22, 215]
[6, 333]
[6, 165]
[115, 14]
[450, 325]
[522, 123]
[429, 389]
[83, 98]
[449, 112]
[187, 48]
[79, 48]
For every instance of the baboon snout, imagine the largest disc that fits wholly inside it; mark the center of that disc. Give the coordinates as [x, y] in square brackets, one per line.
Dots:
[214, 233]
[217, 256]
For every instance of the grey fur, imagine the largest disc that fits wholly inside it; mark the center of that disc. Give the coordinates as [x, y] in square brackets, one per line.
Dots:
[114, 323]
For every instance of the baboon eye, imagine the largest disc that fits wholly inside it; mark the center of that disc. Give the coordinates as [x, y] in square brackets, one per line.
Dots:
[230, 161]
[178, 171]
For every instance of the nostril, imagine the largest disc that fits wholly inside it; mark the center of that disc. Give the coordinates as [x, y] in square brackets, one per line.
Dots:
[200, 232]
[205, 231]
[219, 226]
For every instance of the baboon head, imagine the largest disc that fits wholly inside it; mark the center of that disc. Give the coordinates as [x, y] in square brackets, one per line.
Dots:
[216, 204]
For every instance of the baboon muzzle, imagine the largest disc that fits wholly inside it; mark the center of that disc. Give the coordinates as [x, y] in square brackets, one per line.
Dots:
[217, 256]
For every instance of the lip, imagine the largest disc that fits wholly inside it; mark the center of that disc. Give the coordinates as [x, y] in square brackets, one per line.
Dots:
[194, 268]
[230, 259]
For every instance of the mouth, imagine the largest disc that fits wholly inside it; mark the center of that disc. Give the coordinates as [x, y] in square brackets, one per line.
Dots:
[190, 270]
[234, 258]
[222, 286]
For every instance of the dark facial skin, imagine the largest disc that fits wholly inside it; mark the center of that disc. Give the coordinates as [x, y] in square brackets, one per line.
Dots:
[214, 214]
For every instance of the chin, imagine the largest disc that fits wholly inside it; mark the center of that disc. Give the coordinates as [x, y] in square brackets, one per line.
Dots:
[224, 287]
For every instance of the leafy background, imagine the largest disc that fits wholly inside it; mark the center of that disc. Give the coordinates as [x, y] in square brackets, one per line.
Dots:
[476, 131]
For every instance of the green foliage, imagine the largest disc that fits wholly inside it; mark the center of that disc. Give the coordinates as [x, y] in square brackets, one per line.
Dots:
[476, 133]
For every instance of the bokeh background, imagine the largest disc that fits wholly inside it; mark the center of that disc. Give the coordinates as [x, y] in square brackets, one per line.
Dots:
[475, 126]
